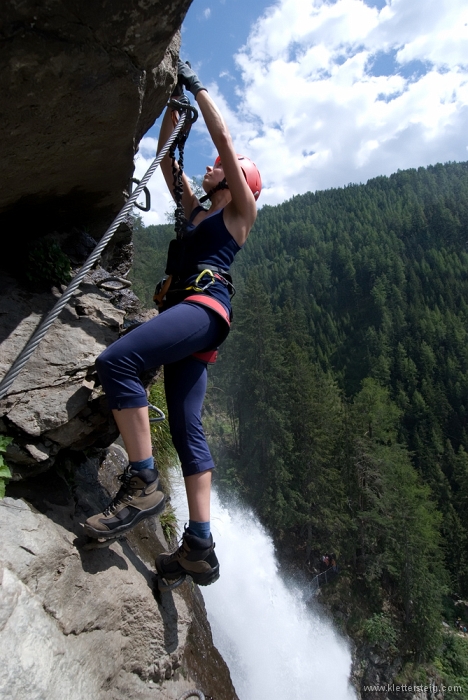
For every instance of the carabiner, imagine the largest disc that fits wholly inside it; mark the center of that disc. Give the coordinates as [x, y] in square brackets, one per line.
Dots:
[182, 103]
[147, 205]
[211, 281]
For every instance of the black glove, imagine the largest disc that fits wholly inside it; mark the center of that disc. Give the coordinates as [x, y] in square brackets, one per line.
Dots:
[178, 91]
[188, 78]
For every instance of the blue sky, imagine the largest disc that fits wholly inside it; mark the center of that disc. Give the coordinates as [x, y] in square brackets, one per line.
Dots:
[212, 34]
[221, 27]
[321, 93]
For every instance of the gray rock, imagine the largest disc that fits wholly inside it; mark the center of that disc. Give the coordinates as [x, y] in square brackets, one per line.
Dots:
[76, 623]
[40, 410]
[40, 452]
[81, 83]
[37, 661]
[14, 453]
[72, 344]
[53, 398]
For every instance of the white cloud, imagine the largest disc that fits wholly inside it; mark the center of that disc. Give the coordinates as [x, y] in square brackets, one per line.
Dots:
[434, 30]
[311, 113]
[308, 87]
[226, 74]
[207, 13]
[241, 131]
[161, 200]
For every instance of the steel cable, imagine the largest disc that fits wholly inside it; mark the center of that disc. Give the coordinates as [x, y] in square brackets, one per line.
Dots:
[44, 326]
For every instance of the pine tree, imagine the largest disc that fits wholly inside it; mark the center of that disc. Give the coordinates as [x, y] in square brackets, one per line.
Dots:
[257, 391]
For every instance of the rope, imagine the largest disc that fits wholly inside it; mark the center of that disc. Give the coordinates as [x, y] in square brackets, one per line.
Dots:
[180, 222]
[44, 326]
[192, 694]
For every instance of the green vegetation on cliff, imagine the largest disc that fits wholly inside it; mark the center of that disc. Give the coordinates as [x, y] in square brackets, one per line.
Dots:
[5, 473]
[150, 247]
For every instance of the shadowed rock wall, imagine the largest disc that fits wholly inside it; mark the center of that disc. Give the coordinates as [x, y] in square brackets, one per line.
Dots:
[81, 82]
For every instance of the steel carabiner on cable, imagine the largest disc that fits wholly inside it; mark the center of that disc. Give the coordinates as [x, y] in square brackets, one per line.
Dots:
[160, 416]
[183, 104]
[147, 205]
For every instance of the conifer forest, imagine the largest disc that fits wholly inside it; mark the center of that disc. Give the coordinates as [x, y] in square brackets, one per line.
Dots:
[338, 408]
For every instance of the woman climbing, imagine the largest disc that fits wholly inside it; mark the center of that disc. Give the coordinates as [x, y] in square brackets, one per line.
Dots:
[195, 318]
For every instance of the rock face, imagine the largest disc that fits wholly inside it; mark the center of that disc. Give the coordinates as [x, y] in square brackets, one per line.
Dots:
[81, 82]
[53, 404]
[79, 624]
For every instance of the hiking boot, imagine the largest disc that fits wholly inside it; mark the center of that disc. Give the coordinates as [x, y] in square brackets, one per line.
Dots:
[195, 557]
[138, 498]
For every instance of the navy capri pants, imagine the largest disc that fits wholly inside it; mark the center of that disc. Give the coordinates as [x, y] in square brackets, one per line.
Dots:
[169, 339]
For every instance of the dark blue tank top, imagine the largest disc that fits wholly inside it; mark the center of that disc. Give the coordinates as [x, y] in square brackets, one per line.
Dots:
[210, 244]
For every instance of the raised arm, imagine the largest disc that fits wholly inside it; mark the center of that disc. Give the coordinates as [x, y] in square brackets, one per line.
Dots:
[243, 201]
[241, 212]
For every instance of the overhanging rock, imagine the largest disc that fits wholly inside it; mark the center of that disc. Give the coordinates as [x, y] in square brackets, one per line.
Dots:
[81, 83]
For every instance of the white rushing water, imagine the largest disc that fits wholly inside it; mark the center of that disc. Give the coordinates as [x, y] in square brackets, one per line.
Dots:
[276, 646]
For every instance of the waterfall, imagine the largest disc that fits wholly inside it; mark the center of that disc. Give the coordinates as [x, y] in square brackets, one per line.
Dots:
[277, 646]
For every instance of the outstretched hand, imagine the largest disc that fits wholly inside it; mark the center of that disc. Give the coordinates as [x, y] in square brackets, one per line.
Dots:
[188, 78]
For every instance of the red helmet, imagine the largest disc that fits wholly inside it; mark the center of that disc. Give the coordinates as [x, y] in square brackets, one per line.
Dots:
[251, 174]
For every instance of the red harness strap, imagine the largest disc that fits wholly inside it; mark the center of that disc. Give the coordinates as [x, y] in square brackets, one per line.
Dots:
[209, 356]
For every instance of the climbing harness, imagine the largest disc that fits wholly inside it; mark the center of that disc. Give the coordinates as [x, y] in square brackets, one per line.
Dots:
[196, 285]
[213, 274]
[167, 290]
[188, 116]
[210, 356]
